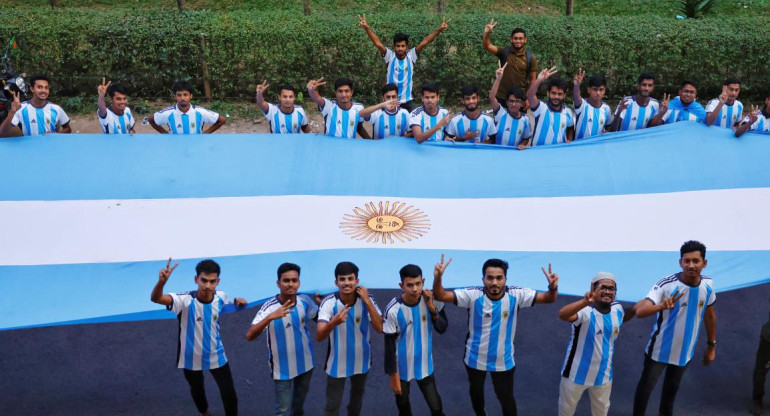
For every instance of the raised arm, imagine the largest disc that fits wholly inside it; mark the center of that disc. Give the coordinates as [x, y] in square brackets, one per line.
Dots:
[576, 98]
[488, 46]
[363, 294]
[493, 103]
[428, 39]
[369, 32]
[312, 90]
[553, 287]
[714, 114]
[532, 91]
[261, 88]
[101, 90]
[6, 127]
[366, 112]
[569, 312]
[260, 326]
[439, 293]
[657, 120]
[157, 294]
[645, 307]
[748, 122]
[439, 318]
[710, 321]
[422, 136]
[616, 119]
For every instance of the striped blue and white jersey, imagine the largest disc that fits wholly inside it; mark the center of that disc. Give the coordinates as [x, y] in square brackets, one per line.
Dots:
[400, 72]
[492, 325]
[282, 123]
[414, 345]
[116, 124]
[511, 130]
[729, 115]
[591, 121]
[637, 117]
[551, 126]
[349, 350]
[679, 112]
[588, 361]
[675, 331]
[339, 122]
[483, 126]
[762, 123]
[425, 121]
[385, 124]
[200, 347]
[191, 122]
[289, 346]
[39, 121]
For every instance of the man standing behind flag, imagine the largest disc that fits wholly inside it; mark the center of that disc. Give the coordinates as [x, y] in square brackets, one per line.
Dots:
[387, 118]
[493, 312]
[725, 111]
[512, 125]
[596, 321]
[554, 121]
[634, 112]
[117, 118]
[471, 125]
[401, 59]
[682, 108]
[428, 120]
[289, 345]
[592, 115]
[285, 118]
[757, 120]
[38, 116]
[341, 116]
[680, 302]
[184, 117]
[344, 317]
[522, 64]
[409, 323]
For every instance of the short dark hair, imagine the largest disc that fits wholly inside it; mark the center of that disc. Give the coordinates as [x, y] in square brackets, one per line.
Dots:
[516, 92]
[344, 268]
[732, 80]
[645, 75]
[36, 78]
[287, 87]
[341, 82]
[689, 82]
[559, 83]
[117, 87]
[410, 270]
[430, 87]
[400, 37]
[183, 86]
[518, 30]
[389, 87]
[207, 266]
[597, 80]
[690, 246]
[469, 90]
[495, 263]
[287, 267]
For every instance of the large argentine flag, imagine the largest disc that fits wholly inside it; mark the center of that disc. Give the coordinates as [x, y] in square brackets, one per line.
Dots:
[86, 222]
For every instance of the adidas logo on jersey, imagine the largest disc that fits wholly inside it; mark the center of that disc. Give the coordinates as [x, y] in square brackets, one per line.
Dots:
[288, 325]
[179, 126]
[599, 332]
[487, 315]
[199, 319]
[33, 121]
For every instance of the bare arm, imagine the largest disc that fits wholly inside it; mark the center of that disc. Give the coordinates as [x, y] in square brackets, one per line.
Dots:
[657, 120]
[261, 88]
[713, 115]
[422, 136]
[645, 307]
[372, 36]
[746, 125]
[428, 39]
[622, 105]
[214, 127]
[488, 46]
[553, 287]
[101, 90]
[569, 312]
[439, 293]
[260, 326]
[6, 126]
[157, 128]
[710, 321]
[576, 98]
[157, 294]
[325, 328]
[375, 316]
[366, 112]
[493, 103]
[312, 90]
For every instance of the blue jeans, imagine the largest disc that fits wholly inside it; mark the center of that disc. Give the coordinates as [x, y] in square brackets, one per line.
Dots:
[290, 394]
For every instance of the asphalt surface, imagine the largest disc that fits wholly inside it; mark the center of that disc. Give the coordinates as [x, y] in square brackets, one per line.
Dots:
[129, 368]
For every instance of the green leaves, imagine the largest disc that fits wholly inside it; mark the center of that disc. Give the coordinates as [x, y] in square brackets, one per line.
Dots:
[695, 9]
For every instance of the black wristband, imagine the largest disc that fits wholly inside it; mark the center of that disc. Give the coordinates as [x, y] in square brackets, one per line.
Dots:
[711, 343]
[553, 289]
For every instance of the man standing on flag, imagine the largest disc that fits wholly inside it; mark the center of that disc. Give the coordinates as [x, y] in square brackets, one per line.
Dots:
[493, 312]
[680, 303]
[596, 321]
[289, 346]
[344, 317]
[200, 346]
[409, 322]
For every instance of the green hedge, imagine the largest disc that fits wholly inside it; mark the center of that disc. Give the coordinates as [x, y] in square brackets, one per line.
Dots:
[147, 51]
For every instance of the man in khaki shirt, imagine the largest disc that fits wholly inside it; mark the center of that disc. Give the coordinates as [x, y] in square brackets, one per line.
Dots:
[521, 70]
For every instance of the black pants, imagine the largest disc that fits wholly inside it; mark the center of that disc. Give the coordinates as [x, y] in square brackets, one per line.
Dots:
[760, 369]
[335, 387]
[503, 384]
[650, 375]
[224, 380]
[428, 388]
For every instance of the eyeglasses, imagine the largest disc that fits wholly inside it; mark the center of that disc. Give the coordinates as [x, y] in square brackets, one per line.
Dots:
[688, 92]
[611, 289]
[514, 101]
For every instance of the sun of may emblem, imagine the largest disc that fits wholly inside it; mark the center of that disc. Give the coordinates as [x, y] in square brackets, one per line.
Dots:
[384, 223]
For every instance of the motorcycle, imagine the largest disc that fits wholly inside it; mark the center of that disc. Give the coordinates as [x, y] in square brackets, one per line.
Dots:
[10, 82]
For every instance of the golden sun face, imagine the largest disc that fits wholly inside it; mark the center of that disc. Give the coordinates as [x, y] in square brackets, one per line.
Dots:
[383, 224]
